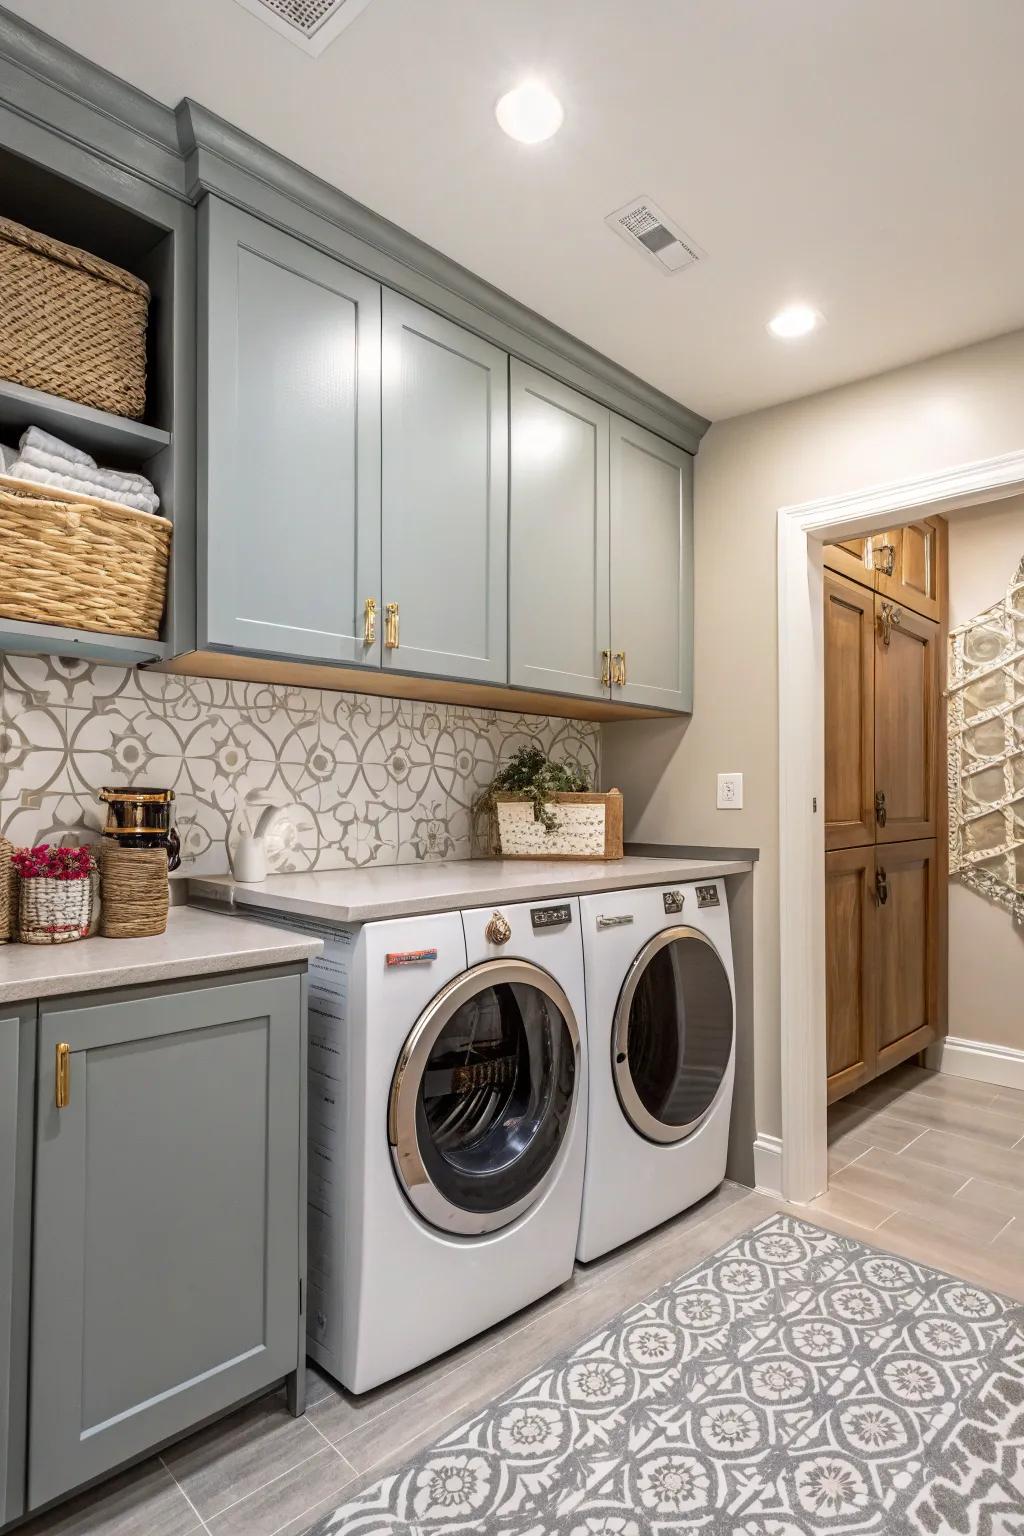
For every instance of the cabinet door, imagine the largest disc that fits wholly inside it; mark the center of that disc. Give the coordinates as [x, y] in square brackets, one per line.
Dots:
[166, 1261]
[849, 713]
[850, 977]
[906, 735]
[651, 569]
[558, 538]
[849, 559]
[916, 556]
[907, 938]
[289, 464]
[17, 1078]
[445, 496]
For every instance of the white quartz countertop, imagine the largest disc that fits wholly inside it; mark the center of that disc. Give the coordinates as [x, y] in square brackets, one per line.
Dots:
[196, 943]
[403, 890]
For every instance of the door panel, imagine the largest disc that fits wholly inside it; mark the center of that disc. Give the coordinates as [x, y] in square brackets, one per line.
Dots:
[918, 556]
[849, 714]
[907, 929]
[847, 559]
[445, 495]
[17, 1078]
[558, 577]
[651, 568]
[289, 465]
[166, 1262]
[850, 974]
[906, 716]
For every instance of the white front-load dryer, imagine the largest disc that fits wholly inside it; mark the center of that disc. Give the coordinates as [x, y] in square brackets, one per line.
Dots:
[460, 1101]
[661, 1029]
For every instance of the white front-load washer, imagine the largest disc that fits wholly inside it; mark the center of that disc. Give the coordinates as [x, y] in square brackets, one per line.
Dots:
[661, 1029]
[447, 1130]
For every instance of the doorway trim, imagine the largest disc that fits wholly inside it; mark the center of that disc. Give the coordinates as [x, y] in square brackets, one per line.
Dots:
[803, 530]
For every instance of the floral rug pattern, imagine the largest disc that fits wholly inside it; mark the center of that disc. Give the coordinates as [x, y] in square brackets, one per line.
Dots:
[797, 1382]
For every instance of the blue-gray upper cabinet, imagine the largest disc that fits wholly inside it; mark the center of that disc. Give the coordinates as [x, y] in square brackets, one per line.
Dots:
[445, 497]
[651, 569]
[559, 624]
[167, 1263]
[289, 444]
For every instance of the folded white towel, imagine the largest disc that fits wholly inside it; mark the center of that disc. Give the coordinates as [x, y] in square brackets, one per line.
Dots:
[39, 475]
[35, 437]
[111, 479]
[7, 457]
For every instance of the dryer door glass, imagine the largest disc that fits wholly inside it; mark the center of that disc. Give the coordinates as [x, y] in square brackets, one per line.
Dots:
[484, 1095]
[672, 1037]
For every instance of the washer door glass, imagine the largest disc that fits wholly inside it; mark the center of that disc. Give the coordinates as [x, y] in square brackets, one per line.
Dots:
[672, 1037]
[483, 1097]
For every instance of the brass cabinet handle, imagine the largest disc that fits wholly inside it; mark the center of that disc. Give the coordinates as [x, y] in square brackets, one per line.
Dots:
[370, 621]
[62, 1076]
[391, 626]
[881, 814]
[606, 668]
[883, 558]
[619, 668]
[881, 886]
[888, 620]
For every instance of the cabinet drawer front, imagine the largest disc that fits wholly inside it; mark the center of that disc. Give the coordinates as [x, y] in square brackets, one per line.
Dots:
[289, 481]
[558, 581]
[166, 1263]
[445, 495]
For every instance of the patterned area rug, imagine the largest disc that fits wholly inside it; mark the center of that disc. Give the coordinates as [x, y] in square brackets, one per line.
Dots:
[796, 1382]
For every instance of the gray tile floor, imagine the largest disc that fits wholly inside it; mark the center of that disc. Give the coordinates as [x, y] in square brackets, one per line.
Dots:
[931, 1167]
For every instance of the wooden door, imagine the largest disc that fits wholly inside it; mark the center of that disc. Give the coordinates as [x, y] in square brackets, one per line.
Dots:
[17, 1093]
[907, 935]
[907, 733]
[850, 976]
[166, 1265]
[849, 558]
[559, 624]
[651, 514]
[910, 565]
[289, 462]
[445, 496]
[849, 713]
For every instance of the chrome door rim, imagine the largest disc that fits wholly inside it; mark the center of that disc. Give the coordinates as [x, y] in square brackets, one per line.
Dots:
[633, 1107]
[412, 1174]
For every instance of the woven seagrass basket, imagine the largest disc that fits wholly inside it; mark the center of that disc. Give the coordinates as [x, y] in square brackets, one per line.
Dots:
[74, 325]
[55, 911]
[135, 892]
[81, 562]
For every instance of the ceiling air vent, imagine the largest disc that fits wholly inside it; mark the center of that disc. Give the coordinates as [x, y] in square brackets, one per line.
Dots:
[310, 24]
[647, 229]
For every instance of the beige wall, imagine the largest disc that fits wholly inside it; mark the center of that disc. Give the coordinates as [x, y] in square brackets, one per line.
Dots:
[986, 950]
[963, 405]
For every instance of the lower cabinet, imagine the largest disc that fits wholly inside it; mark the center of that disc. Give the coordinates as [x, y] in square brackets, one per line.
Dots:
[17, 1067]
[167, 1261]
[882, 950]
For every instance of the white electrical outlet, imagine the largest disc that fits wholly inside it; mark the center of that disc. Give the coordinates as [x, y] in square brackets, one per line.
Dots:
[730, 791]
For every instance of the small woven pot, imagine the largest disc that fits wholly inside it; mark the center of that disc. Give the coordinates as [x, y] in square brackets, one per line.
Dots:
[8, 892]
[54, 911]
[135, 892]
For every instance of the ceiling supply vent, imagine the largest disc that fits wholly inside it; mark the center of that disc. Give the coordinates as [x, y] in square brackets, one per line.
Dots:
[310, 24]
[647, 229]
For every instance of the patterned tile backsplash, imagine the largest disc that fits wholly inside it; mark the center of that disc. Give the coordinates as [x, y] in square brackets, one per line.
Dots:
[366, 780]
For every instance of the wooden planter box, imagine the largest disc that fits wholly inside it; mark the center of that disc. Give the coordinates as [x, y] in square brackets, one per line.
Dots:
[590, 827]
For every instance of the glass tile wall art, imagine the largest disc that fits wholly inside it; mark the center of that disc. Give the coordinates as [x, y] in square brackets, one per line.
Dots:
[986, 750]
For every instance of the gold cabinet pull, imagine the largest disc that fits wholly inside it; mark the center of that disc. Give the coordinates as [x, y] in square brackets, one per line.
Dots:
[391, 626]
[619, 668]
[606, 668]
[370, 621]
[62, 1076]
[890, 617]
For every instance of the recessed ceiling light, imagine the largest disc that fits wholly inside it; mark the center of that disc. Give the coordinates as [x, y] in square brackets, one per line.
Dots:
[794, 321]
[530, 113]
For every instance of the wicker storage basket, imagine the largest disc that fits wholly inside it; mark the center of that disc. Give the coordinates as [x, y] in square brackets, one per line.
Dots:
[8, 892]
[55, 911]
[73, 325]
[590, 827]
[135, 892]
[81, 562]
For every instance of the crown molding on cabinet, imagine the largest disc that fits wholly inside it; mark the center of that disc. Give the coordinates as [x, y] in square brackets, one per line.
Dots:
[190, 152]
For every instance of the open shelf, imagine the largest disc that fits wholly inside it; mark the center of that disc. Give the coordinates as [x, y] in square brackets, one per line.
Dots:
[103, 435]
[52, 640]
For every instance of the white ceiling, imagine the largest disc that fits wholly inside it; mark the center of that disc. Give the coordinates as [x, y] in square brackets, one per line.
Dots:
[861, 155]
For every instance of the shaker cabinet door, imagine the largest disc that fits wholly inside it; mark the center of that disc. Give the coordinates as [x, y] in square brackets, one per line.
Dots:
[651, 569]
[445, 497]
[849, 713]
[558, 554]
[166, 1259]
[906, 737]
[907, 935]
[910, 565]
[17, 1079]
[289, 463]
[850, 969]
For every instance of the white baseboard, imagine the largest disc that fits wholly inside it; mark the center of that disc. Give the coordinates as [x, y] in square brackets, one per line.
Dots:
[999, 1064]
[768, 1164]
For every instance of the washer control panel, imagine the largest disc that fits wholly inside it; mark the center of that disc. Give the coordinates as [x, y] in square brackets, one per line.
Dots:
[551, 917]
[707, 896]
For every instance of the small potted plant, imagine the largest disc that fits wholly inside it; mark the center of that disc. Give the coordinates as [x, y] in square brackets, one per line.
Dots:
[547, 810]
[56, 890]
